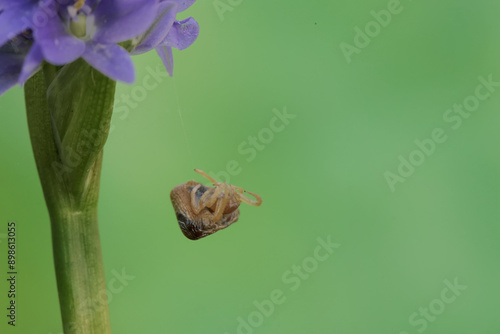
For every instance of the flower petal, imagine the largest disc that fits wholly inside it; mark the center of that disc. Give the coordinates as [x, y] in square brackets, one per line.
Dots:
[111, 60]
[182, 5]
[183, 34]
[118, 21]
[57, 45]
[165, 53]
[7, 81]
[10, 67]
[14, 21]
[32, 63]
[159, 29]
[6, 4]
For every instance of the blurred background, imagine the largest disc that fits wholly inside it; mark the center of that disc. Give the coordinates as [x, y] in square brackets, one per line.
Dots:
[289, 100]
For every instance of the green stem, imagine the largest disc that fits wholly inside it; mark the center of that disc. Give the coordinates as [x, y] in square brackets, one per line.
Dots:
[79, 270]
[58, 125]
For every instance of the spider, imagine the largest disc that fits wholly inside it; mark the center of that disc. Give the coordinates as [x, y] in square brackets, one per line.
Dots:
[203, 210]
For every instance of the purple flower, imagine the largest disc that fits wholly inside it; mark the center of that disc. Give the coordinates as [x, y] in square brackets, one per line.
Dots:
[58, 32]
[167, 33]
[41, 17]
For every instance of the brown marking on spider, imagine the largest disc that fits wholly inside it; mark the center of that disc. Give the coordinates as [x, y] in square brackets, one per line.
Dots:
[203, 210]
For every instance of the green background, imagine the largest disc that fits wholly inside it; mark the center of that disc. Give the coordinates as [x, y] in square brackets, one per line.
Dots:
[323, 175]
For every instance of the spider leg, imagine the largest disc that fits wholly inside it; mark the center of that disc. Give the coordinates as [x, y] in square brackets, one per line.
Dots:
[221, 206]
[205, 175]
[210, 197]
[207, 200]
[239, 189]
[249, 201]
[196, 206]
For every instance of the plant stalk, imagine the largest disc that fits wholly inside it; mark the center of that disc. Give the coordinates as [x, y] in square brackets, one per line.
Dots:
[58, 124]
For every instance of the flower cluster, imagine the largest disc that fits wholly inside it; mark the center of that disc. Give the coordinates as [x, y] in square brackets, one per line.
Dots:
[102, 32]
